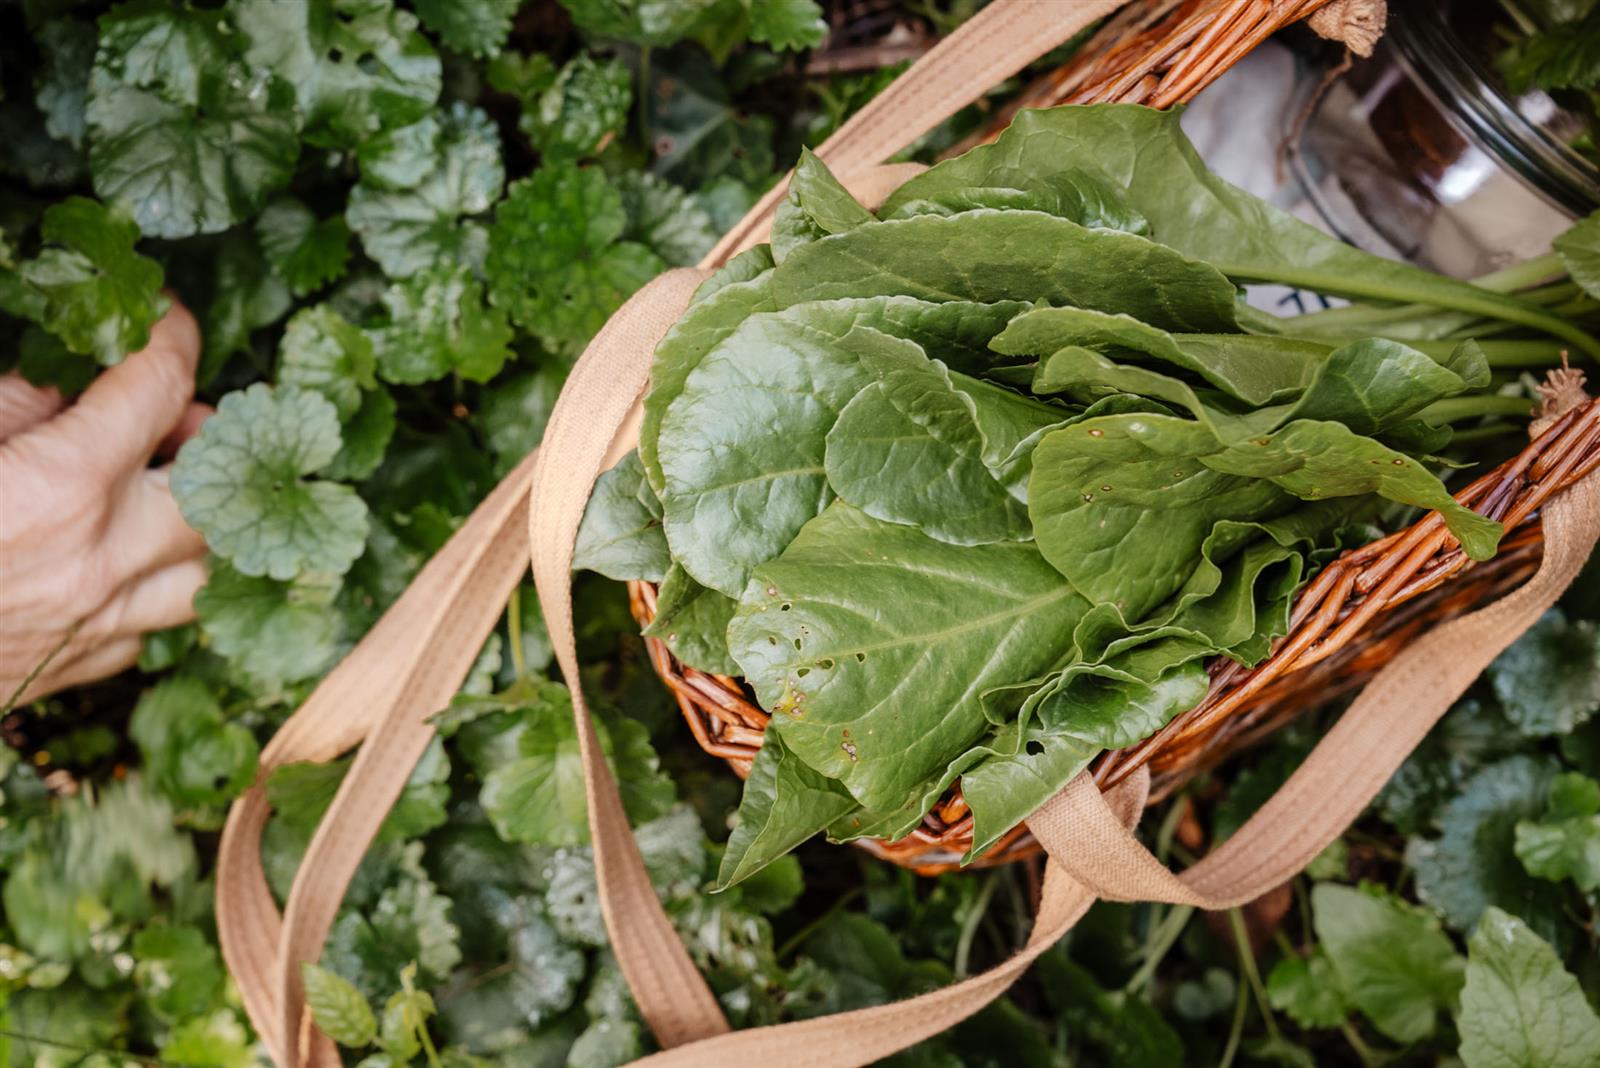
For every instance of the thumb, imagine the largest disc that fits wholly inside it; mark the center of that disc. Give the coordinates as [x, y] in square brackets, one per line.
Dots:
[126, 411]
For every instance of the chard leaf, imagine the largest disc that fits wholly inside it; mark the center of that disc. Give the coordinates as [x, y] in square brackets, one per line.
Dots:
[784, 803]
[1519, 1007]
[1145, 153]
[693, 621]
[1579, 249]
[620, 535]
[989, 255]
[816, 205]
[871, 644]
[1076, 195]
[1402, 993]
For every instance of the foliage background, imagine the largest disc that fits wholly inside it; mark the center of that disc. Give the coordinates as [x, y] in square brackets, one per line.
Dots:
[398, 225]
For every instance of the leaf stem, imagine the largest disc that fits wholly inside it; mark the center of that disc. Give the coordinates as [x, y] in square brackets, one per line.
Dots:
[1456, 409]
[514, 630]
[969, 925]
[38, 669]
[1247, 964]
[1236, 1031]
[796, 940]
[1162, 938]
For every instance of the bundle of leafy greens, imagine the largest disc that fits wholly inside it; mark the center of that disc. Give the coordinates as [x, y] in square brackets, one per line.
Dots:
[974, 487]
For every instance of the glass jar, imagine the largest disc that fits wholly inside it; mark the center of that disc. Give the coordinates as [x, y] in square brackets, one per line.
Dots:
[1422, 154]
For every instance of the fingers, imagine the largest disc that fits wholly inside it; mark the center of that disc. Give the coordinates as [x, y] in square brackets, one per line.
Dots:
[146, 531]
[103, 660]
[188, 426]
[24, 405]
[129, 409]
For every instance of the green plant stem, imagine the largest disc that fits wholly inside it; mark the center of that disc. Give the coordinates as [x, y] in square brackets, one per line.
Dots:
[796, 940]
[1352, 1036]
[1247, 964]
[514, 631]
[38, 669]
[1456, 409]
[1163, 936]
[969, 926]
[1169, 826]
[1516, 352]
[1487, 432]
[1236, 1031]
[1522, 275]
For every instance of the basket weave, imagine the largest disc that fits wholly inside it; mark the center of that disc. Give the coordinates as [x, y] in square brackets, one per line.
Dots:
[1345, 625]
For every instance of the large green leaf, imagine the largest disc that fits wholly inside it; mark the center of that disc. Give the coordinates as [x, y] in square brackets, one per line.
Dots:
[991, 255]
[693, 621]
[816, 205]
[784, 803]
[871, 644]
[1520, 1008]
[1145, 153]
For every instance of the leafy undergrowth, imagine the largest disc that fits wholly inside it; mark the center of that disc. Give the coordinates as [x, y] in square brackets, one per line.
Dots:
[398, 225]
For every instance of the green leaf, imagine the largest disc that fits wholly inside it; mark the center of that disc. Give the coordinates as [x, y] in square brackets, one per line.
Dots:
[276, 631]
[183, 134]
[1565, 844]
[407, 230]
[693, 621]
[620, 535]
[665, 219]
[321, 352]
[216, 1040]
[307, 254]
[1308, 989]
[405, 1015]
[191, 753]
[1401, 993]
[587, 103]
[357, 66]
[439, 324]
[61, 85]
[699, 133]
[178, 969]
[249, 296]
[1558, 57]
[1075, 195]
[87, 286]
[338, 1007]
[409, 923]
[1579, 249]
[854, 603]
[1474, 733]
[816, 205]
[1144, 152]
[992, 255]
[784, 803]
[513, 415]
[365, 437]
[471, 27]
[1549, 680]
[643, 22]
[1472, 865]
[240, 482]
[787, 25]
[536, 977]
[1519, 1008]
[555, 262]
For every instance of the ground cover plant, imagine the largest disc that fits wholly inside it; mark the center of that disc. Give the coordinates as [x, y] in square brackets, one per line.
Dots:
[398, 224]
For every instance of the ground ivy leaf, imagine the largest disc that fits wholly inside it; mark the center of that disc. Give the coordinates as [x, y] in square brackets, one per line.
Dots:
[178, 969]
[338, 1007]
[322, 353]
[512, 416]
[539, 978]
[439, 324]
[402, 157]
[555, 262]
[364, 437]
[87, 286]
[240, 482]
[1308, 989]
[643, 22]
[853, 603]
[307, 254]
[61, 86]
[696, 129]
[186, 137]
[357, 66]
[665, 218]
[471, 27]
[586, 103]
[620, 535]
[249, 296]
[1401, 993]
[300, 794]
[278, 632]
[1549, 680]
[1520, 1008]
[792, 25]
[1472, 865]
[1565, 844]
[191, 753]
[407, 230]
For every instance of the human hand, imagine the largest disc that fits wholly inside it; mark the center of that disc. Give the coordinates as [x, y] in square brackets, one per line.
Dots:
[93, 552]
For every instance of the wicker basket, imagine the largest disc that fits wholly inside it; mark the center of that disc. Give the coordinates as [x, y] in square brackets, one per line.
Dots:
[1345, 625]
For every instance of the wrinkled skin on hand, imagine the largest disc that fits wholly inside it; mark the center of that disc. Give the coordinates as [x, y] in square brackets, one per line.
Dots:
[93, 552]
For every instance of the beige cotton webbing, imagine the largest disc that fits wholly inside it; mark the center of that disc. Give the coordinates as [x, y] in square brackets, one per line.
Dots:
[415, 658]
